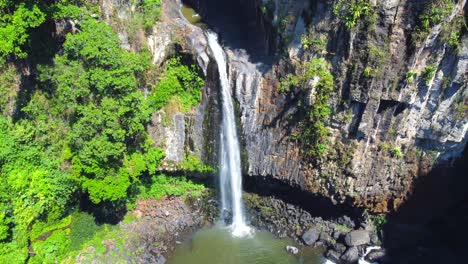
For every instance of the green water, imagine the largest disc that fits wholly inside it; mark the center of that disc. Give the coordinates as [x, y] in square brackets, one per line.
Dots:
[216, 245]
[191, 15]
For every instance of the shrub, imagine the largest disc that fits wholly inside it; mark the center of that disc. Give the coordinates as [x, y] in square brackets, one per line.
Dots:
[434, 12]
[177, 80]
[411, 76]
[429, 73]
[351, 11]
[396, 152]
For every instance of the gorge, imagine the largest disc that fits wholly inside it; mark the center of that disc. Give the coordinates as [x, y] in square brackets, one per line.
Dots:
[243, 131]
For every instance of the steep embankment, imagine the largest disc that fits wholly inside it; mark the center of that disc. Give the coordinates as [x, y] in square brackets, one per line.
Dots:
[397, 106]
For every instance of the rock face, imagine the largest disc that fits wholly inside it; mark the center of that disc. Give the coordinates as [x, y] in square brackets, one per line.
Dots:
[398, 106]
[388, 127]
[357, 238]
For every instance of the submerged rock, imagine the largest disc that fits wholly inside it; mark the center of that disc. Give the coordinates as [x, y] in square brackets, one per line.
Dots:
[376, 255]
[357, 238]
[333, 256]
[292, 250]
[310, 236]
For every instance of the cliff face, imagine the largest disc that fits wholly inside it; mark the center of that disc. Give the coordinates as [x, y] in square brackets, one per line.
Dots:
[397, 109]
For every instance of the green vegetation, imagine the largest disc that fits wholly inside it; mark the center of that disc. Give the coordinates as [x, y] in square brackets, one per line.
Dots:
[192, 163]
[376, 60]
[178, 81]
[429, 73]
[368, 72]
[314, 131]
[343, 228]
[17, 18]
[433, 13]
[9, 85]
[411, 76]
[396, 152]
[379, 221]
[78, 131]
[163, 185]
[314, 43]
[151, 11]
[451, 32]
[350, 12]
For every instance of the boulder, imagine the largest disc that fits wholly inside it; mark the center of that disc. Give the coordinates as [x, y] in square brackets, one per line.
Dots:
[357, 237]
[292, 250]
[340, 248]
[376, 255]
[346, 221]
[351, 255]
[325, 237]
[310, 236]
[333, 256]
[160, 260]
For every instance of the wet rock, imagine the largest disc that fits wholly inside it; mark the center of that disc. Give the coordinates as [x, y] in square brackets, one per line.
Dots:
[333, 256]
[351, 255]
[160, 260]
[310, 236]
[374, 238]
[340, 248]
[376, 255]
[357, 237]
[326, 238]
[346, 221]
[292, 250]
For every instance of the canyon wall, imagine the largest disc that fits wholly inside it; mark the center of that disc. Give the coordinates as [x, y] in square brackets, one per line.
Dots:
[398, 106]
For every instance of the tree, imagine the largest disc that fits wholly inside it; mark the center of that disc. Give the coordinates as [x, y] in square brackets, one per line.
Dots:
[14, 26]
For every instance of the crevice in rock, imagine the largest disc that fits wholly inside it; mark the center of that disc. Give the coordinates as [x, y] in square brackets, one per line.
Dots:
[358, 111]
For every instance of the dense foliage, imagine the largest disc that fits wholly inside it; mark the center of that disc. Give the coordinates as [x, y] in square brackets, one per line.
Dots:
[77, 130]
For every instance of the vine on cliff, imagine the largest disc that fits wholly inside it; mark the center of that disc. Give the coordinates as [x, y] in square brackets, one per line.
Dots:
[313, 131]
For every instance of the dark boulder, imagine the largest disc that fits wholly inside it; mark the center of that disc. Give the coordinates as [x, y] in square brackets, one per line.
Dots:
[357, 238]
[340, 248]
[310, 236]
[333, 256]
[326, 238]
[351, 255]
[376, 255]
[346, 221]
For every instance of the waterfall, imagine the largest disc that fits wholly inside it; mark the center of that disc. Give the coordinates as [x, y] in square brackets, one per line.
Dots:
[230, 162]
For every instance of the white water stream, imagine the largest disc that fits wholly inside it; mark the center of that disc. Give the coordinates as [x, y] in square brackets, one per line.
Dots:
[230, 161]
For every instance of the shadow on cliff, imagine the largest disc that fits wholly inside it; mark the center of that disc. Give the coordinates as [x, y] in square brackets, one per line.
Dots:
[432, 225]
[316, 205]
[239, 27]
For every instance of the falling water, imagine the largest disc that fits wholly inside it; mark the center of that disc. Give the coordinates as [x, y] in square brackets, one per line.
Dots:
[230, 162]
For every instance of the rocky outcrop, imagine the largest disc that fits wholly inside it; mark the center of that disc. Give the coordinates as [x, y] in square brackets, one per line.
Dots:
[154, 232]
